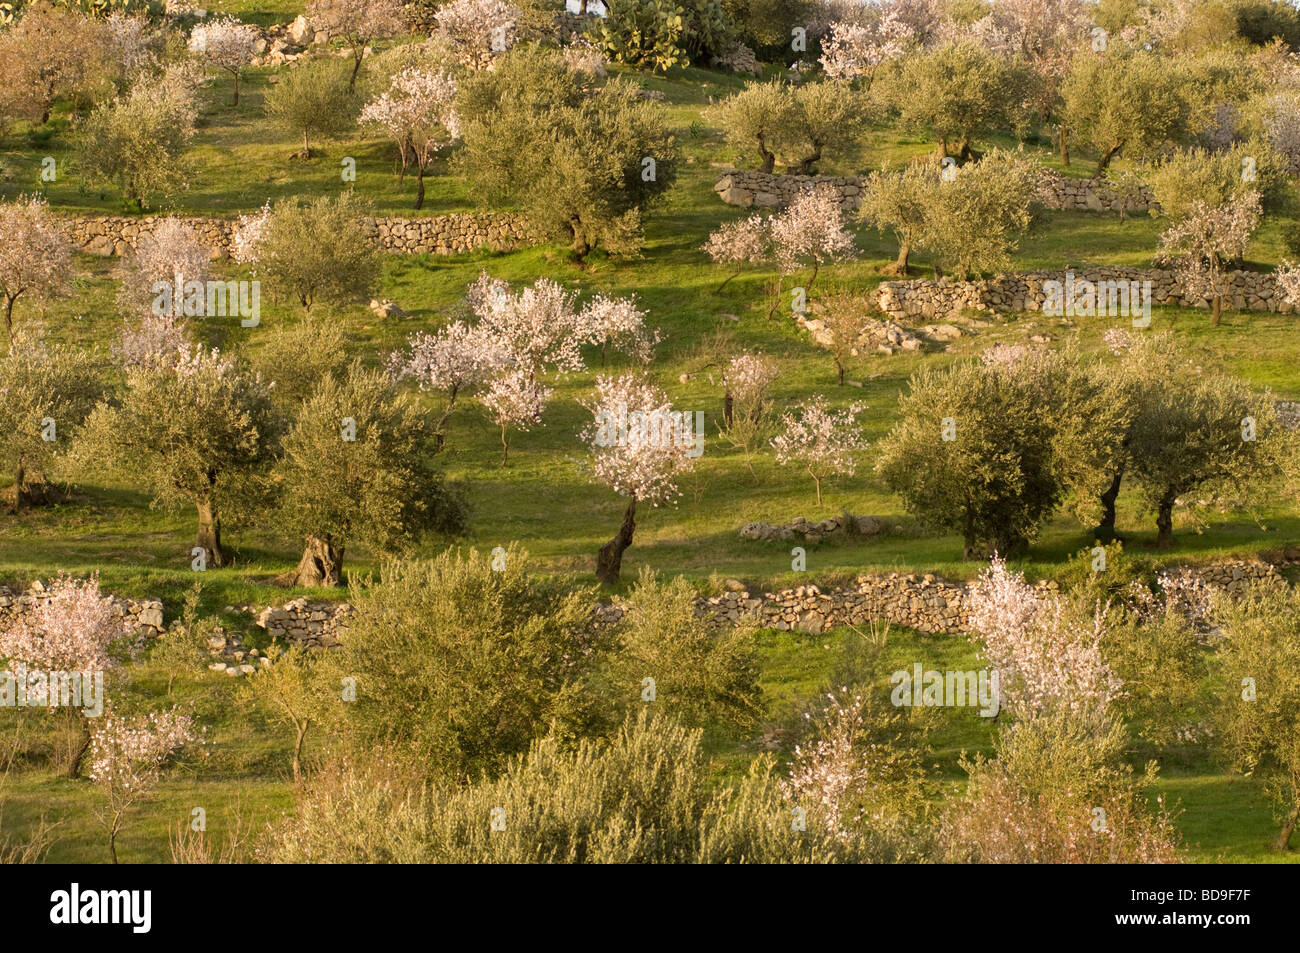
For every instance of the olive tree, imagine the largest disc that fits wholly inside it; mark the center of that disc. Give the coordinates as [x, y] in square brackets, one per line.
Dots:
[314, 252]
[357, 466]
[194, 431]
[313, 99]
[582, 163]
[1124, 102]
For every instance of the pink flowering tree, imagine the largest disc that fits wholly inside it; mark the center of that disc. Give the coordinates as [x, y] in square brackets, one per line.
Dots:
[855, 50]
[1202, 246]
[822, 441]
[618, 323]
[155, 339]
[72, 627]
[640, 447]
[358, 22]
[417, 112]
[477, 31]
[226, 44]
[456, 361]
[127, 760]
[515, 400]
[538, 326]
[172, 254]
[250, 230]
[35, 257]
[811, 231]
[1046, 657]
[739, 243]
[746, 412]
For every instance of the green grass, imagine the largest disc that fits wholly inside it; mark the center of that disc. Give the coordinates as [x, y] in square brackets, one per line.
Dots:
[543, 499]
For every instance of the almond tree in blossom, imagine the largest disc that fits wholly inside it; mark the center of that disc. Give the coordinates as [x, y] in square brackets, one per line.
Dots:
[156, 339]
[34, 254]
[477, 31]
[358, 22]
[1201, 247]
[417, 113]
[822, 441]
[739, 243]
[128, 757]
[620, 324]
[639, 450]
[71, 628]
[226, 44]
[515, 400]
[457, 360]
[746, 415]
[1046, 657]
[811, 231]
[171, 253]
[856, 49]
[537, 326]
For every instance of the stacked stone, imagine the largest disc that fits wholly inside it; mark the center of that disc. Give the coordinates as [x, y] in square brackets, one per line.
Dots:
[143, 617]
[231, 657]
[313, 624]
[1024, 291]
[801, 528]
[747, 189]
[435, 235]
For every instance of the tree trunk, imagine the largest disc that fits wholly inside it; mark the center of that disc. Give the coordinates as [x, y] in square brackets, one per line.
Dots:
[609, 561]
[1106, 156]
[358, 53]
[297, 750]
[729, 277]
[1063, 144]
[1283, 841]
[900, 263]
[9, 317]
[581, 247]
[306, 146]
[769, 158]
[236, 89]
[419, 178]
[728, 409]
[811, 279]
[209, 535]
[1106, 528]
[1165, 522]
[1217, 311]
[79, 755]
[817, 480]
[807, 163]
[321, 564]
[505, 446]
[839, 370]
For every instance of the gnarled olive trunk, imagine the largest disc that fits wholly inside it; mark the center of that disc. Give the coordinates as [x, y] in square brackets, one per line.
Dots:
[1283, 841]
[1165, 521]
[769, 158]
[321, 564]
[609, 561]
[208, 537]
[1106, 528]
[29, 489]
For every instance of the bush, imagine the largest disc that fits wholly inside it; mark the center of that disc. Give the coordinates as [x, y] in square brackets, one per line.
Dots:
[302, 263]
[583, 164]
[645, 797]
[460, 666]
[313, 99]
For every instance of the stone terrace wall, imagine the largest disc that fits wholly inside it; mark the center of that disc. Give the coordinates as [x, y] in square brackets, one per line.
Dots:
[142, 616]
[746, 188]
[314, 624]
[926, 298]
[434, 235]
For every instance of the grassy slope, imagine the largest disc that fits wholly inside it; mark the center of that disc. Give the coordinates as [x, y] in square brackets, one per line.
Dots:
[543, 498]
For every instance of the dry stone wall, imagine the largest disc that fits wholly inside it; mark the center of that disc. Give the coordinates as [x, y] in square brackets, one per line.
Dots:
[143, 617]
[435, 235]
[1025, 291]
[763, 190]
